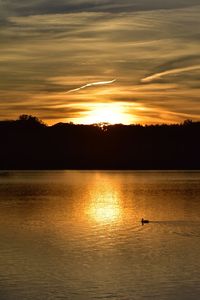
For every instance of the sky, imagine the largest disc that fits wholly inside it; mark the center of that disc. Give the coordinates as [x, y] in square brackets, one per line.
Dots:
[88, 61]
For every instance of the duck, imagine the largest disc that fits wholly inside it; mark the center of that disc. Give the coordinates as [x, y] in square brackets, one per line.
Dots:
[144, 221]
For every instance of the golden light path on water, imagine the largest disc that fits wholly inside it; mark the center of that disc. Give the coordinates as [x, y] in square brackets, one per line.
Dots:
[105, 206]
[105, 211]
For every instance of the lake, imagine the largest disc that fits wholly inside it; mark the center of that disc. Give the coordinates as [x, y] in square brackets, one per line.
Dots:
[77, 235]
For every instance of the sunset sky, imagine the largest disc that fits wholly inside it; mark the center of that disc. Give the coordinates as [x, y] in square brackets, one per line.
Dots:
[88, 61]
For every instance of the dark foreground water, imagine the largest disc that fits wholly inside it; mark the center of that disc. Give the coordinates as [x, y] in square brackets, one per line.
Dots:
[77, 235]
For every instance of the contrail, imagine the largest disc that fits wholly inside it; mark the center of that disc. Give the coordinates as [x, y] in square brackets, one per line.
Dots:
[169, 72]
[90, 84]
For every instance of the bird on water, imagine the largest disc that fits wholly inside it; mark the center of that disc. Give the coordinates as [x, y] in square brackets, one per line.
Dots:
[144, 221]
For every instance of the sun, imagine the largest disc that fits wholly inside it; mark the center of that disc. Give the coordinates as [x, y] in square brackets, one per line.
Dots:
[106, 113]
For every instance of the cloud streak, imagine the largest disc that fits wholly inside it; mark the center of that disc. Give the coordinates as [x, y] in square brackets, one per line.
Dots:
[159, 75]
[89, 85]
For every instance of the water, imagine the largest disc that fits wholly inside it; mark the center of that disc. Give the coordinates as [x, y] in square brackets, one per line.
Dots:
[77, 235]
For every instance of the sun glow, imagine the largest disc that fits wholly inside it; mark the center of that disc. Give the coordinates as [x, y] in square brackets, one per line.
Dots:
[106, 113]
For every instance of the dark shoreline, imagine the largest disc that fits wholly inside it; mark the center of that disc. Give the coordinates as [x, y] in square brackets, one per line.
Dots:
[3, 171]
[28, 144]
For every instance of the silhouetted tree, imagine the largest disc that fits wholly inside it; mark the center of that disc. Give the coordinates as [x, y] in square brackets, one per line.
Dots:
[188, 122]
[30, 120]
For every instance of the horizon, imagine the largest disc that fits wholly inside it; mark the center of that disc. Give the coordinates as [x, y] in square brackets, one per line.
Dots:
[103, 61]
[99, 124]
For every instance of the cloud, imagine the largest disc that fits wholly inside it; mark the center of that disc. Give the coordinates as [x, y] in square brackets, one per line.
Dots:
[42, 7]
[47, 51]
[169, 72]
[91, 84]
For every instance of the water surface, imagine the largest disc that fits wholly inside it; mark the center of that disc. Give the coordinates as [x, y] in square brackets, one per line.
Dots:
[77, 235]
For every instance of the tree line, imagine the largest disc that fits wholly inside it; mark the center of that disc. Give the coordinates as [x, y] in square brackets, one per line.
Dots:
[27, 143]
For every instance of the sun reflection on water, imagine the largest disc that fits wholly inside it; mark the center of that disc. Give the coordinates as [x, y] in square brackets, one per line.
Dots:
[105, 206]
[105, 212]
